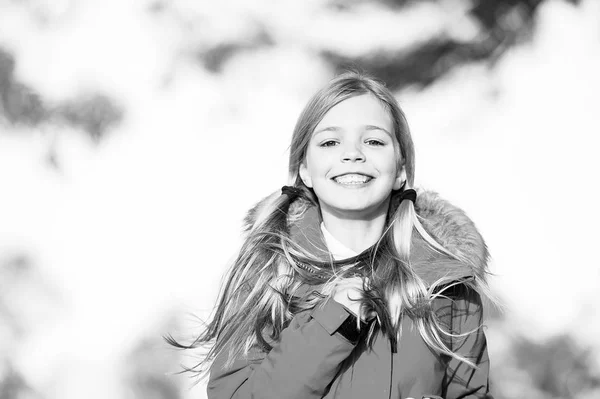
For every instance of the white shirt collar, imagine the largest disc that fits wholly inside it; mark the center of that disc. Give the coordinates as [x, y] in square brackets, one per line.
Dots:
[337, 249]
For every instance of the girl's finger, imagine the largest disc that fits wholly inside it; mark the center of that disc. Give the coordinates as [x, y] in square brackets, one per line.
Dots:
[371, 315]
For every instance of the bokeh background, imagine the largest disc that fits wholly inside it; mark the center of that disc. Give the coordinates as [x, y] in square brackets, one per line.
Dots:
[134, 135]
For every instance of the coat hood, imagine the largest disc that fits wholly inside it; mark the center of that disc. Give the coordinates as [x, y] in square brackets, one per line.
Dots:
[454, 230]
[446, 223]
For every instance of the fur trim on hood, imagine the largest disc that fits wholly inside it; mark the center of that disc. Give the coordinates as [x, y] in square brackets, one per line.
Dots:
[454, 230]
[446, 223]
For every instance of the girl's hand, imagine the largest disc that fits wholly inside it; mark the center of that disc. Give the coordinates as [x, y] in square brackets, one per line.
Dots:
[348, 292]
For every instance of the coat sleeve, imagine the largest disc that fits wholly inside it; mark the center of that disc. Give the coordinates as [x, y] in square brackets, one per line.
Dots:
[302, 364]
[462, 380]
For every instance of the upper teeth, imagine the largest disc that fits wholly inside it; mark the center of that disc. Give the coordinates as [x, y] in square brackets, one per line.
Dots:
[352, 179]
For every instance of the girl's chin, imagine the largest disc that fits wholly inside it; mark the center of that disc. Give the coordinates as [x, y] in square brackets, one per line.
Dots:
[355, 210]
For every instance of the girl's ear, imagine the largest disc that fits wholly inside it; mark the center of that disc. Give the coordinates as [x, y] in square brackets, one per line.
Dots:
[304, 175]
[400, 178]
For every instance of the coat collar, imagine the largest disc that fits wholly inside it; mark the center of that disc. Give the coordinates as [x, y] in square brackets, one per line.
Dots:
[446, 223]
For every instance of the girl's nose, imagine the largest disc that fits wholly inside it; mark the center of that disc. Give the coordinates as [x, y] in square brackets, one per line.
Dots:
[352, 153]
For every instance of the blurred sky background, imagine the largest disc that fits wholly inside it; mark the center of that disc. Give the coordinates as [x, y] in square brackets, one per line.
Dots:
[134, 135]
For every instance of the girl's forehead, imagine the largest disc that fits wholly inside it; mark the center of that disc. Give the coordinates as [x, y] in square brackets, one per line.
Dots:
[362, 110]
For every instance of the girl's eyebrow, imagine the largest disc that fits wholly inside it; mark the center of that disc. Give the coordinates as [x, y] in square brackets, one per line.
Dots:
[328, 129]
[337, 129]
[373, 127]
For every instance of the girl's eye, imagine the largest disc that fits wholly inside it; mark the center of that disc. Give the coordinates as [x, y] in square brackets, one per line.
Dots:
[375, 142]
[328, 143]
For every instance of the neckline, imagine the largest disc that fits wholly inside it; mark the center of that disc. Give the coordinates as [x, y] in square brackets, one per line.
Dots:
[338, 250]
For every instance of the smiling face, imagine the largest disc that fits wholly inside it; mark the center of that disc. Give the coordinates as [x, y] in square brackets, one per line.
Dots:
[352, 159]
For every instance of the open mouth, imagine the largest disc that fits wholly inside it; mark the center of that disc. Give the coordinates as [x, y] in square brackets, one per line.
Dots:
[352, 178]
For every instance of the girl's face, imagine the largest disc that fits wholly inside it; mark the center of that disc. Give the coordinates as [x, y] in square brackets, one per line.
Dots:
[352, 159]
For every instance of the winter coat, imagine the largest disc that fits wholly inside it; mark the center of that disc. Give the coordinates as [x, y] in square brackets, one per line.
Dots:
[313, 360]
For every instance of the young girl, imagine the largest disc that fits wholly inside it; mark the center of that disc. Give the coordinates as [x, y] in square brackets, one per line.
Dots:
[348, 283]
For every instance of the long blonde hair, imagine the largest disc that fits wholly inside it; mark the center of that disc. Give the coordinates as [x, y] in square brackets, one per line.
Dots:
[260, 293]
[396, 285]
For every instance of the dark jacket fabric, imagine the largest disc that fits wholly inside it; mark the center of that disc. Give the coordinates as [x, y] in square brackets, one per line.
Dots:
[313, 360]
